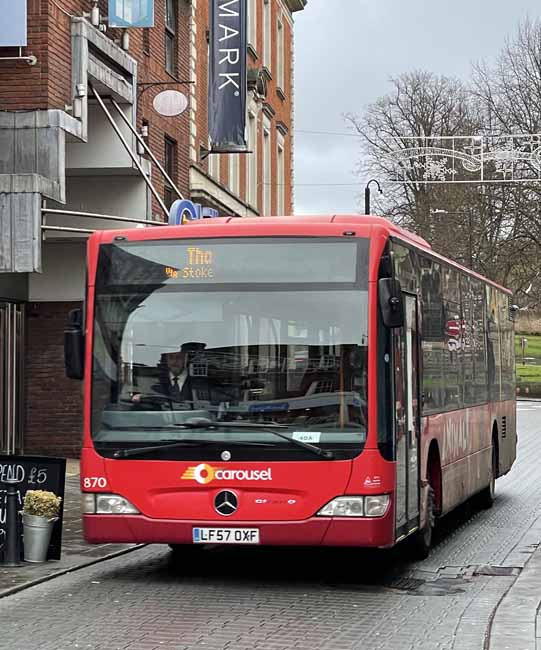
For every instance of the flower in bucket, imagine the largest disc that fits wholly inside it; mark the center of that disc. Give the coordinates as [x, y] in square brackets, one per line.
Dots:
[41, 503]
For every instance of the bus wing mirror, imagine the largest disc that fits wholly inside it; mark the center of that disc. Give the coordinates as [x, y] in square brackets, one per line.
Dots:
[391, 302]
[74, 345]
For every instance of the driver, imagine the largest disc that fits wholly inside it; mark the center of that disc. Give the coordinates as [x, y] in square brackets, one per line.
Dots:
[174, 382]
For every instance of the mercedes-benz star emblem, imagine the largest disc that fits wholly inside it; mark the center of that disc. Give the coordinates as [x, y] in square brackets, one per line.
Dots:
[226, 503]
[225, 455]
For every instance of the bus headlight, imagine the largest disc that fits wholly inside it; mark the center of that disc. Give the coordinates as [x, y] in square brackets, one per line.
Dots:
[369, 506]
[376, 506]
[343, 507]
[107, 504]
[113, 504]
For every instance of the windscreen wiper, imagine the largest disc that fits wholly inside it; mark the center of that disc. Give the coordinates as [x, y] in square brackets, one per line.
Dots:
[271, 427]
[188, 442]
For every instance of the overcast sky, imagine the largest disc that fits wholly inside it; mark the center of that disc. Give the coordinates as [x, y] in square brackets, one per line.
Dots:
[345, 52]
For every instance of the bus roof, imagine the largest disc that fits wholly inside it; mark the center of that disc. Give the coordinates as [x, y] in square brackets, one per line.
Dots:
[309, 223]
[314, 225]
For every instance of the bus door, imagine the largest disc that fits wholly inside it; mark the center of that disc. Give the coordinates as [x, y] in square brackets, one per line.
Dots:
[407, 424]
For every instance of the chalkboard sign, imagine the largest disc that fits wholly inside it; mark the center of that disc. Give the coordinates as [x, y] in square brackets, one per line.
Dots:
[36, 473]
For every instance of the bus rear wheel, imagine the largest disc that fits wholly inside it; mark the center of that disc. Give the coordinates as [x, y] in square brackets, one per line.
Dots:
[487, 496]
[421, 540]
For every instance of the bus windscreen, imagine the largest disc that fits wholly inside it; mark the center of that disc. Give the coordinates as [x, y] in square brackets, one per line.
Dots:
[256, 343]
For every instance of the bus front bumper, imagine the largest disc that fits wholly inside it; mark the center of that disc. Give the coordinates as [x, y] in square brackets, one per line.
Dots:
[316, 531]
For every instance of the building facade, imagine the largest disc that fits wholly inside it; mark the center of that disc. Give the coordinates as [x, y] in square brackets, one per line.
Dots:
[60, 153]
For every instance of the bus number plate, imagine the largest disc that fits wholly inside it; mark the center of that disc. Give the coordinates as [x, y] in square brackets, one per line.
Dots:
[226, 536]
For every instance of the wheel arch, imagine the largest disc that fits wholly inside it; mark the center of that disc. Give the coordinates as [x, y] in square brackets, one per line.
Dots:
[433, 474]
[496, 444]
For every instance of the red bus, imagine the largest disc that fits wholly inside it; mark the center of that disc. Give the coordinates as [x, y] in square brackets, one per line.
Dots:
[287, 381]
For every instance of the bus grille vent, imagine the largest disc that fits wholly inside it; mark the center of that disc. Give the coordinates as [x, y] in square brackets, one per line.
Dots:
[504, 426]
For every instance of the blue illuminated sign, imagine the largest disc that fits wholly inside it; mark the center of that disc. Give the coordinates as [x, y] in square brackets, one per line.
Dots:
[183, 211]
[131, 13]
[13, 23]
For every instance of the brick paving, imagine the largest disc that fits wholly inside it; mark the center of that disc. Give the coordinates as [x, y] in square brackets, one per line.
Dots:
[289, 599]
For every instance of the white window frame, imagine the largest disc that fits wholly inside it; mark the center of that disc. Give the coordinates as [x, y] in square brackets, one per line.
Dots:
[280, 54]
[252, 24]
[251, 160]
[267, 34]
[267, 168]
[280, 175]
[234, 173]
[214, 166]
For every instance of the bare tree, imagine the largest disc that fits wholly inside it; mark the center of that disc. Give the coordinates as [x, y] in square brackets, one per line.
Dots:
[510, 91]
[509, 94]
[486, 227]
[425, 106]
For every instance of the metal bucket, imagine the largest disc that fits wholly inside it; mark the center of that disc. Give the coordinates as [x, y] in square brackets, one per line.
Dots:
[37, 533]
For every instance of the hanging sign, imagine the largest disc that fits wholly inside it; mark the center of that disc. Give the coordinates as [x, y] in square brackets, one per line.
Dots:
[227, 76]
[13, 24]
[131, 13]
[170, 103]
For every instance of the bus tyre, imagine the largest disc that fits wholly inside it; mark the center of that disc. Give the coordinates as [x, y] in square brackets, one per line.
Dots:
[421, 541]
[487, 496]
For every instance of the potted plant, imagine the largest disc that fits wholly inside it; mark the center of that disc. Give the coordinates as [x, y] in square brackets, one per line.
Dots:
[40, 511]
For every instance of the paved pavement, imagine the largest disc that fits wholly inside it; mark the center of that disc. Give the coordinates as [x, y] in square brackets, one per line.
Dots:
[75, 552]
[479, 590]
[517, 620]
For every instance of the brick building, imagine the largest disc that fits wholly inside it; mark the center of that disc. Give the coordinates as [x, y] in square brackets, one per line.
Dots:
[60, 152]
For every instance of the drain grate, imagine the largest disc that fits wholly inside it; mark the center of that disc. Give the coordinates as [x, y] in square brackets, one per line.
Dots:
[404, 584]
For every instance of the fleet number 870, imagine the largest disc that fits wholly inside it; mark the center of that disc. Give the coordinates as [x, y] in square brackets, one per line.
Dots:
[94, 482]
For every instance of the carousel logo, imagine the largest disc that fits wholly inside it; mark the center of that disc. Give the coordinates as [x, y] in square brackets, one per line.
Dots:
[204, 474]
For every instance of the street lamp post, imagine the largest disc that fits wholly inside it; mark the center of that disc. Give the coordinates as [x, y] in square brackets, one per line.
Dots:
[367, 194]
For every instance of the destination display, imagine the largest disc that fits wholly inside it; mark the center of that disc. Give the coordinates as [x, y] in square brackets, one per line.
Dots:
[174, 262]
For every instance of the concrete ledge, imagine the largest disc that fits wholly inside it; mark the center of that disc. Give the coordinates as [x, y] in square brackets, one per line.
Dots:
[204, 187]
[81, 27]
[40, 119]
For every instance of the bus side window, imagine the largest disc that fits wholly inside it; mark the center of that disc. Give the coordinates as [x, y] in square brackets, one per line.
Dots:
[454, 339]
[431, 335]
[479, 343]
[493, 344]
[507, 348]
